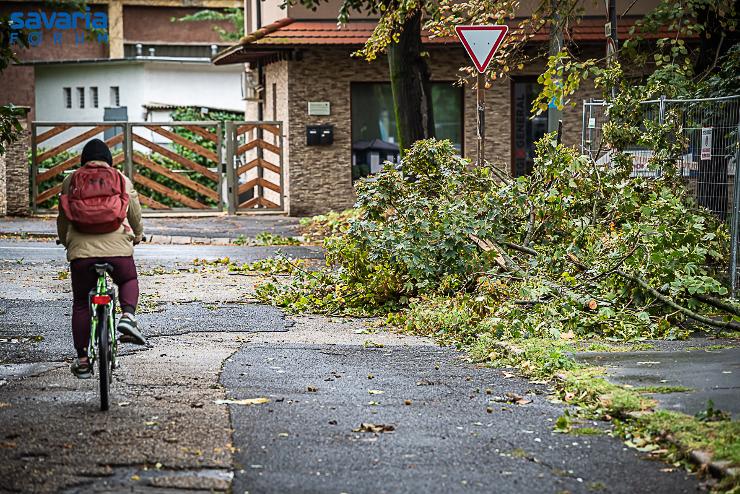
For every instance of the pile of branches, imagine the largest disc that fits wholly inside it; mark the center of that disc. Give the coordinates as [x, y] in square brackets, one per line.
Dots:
[575, 248]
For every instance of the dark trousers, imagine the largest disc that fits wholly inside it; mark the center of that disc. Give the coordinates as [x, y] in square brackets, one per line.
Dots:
[84, 280]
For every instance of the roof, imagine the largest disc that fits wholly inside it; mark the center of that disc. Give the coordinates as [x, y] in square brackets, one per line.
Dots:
[286, 34]
[117, 61]
[154, 106]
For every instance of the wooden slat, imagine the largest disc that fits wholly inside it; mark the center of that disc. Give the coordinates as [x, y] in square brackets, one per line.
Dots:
[249, 202]
[244, 128]
[72, 142]
[177, 158]
[258, 143]
[269, 185]
[274, 129]
[201, 131]
[247, 185]
[166, 191]
[177, 177]
[258, 181]
[258, 200]
[118, 159]
[74, 160]
[49, 193]
[51, 133]
[258, 162]
[267, 203]
[148, 201]
[182, 141]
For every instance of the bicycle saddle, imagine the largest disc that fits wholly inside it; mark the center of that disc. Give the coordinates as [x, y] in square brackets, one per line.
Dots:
[102, 268]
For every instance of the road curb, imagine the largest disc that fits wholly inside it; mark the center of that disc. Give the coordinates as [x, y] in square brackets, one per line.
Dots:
[151, 239]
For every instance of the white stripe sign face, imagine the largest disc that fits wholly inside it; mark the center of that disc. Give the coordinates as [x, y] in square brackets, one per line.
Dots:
[481, 42]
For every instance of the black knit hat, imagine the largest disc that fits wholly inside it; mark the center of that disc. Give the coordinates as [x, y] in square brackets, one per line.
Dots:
[96, 150]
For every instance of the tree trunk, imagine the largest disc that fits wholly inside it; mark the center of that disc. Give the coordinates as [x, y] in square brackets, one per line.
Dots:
[412, 95]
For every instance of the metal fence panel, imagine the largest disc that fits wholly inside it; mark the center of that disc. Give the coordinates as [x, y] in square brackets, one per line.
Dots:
[709, 156]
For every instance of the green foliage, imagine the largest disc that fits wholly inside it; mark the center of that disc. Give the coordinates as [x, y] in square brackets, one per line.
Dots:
[233, 15]
[267, 238]
[325, 225]
[414, 245]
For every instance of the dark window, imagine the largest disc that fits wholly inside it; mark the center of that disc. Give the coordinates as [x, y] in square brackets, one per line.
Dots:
[81, 97]
[67, 92]
[374, 134]
[525, 130]
[115, 96]
[94, 96]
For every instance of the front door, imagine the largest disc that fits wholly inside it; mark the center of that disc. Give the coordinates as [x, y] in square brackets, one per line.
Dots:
[525, 131]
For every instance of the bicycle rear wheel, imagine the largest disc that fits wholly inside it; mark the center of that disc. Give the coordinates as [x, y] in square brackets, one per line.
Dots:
[104, 358]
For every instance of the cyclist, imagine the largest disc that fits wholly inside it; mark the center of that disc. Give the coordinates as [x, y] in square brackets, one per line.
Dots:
[99, 221]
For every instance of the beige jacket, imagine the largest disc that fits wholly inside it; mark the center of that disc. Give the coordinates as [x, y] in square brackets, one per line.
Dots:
[119, 243]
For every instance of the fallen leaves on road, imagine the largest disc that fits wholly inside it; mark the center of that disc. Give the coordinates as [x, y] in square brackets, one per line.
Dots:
[312, 389]
[248, 401]
[374, 392]
[377, 428]
[516, 398]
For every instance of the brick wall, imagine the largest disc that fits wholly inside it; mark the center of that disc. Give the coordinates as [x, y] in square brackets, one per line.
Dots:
[14, 179]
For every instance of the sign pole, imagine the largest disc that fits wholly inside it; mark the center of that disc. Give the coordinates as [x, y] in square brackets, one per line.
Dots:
[481, 42]
[481, 105]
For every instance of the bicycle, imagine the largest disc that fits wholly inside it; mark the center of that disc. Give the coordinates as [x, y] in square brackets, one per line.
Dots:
[103, 331]
[103, 346]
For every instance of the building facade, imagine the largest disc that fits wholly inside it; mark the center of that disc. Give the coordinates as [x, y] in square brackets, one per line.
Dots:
[309, 80]
[137, 30]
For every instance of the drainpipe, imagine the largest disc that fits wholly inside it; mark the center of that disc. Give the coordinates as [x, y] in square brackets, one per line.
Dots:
[260, 105]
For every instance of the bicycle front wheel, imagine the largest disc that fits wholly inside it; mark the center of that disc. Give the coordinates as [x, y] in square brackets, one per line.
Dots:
[104, 358]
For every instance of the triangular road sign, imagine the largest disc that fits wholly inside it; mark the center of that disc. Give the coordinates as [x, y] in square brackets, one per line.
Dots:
[481, 42]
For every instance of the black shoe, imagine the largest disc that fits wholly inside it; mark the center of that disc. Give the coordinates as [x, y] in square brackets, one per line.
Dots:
[129, 328]
[81, 370]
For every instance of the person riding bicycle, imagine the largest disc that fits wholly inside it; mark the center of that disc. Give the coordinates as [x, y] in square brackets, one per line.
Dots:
[99, 221]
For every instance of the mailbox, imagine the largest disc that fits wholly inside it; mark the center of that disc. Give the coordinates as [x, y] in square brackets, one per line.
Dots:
[319, 135]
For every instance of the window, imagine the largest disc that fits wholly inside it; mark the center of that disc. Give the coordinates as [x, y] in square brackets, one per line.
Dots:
[525, 130]
[67, 91]
[115, 96]
[94, 96]
[81, 97]
[374, 135]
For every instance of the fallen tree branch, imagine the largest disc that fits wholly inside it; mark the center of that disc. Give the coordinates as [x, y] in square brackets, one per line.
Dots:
[654, 292]
[687, 312]
[718, 303]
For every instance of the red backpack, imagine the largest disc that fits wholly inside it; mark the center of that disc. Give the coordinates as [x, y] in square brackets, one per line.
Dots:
[97, 201]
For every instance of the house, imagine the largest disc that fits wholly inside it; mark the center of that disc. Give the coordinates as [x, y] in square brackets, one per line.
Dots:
[301, 61]
[141, 48]
[124, 89]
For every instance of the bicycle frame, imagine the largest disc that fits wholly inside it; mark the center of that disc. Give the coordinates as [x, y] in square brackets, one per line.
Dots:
[102, 296]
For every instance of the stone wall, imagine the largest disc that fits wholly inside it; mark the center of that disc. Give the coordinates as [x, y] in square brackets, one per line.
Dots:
[14, 179]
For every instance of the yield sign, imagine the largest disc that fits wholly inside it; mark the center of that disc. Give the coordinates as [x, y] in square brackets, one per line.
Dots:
[481, 42]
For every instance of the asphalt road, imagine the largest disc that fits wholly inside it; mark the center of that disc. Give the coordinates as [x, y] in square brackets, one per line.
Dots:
[324, 377]
[161, 254]
[214, 226]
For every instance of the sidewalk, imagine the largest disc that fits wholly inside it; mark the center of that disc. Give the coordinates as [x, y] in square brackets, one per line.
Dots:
[692, 372]
[182, 230]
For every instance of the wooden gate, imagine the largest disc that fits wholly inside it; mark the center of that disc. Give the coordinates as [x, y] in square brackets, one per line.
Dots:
[254, 166]
[175, 166]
